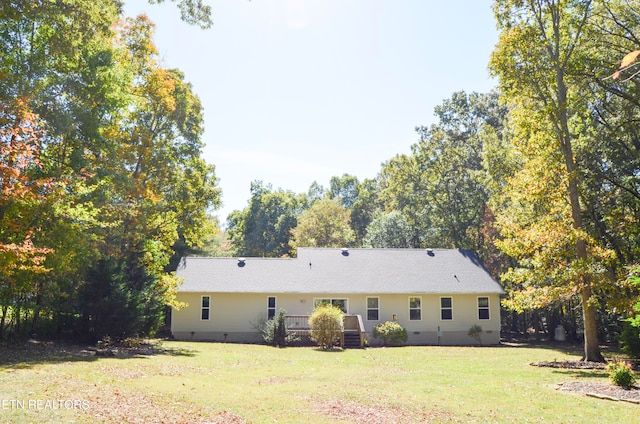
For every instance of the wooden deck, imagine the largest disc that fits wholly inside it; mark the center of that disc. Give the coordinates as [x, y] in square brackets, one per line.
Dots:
[353, 333]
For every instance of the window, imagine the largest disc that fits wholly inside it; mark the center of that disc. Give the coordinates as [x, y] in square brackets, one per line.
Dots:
[271, 307]
[483, 308]
[415, 308]
[206, 302]
[373, 308]
[446, 308]
[340, 303]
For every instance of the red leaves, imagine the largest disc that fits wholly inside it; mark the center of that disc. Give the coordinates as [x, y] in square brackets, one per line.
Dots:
[19, 148]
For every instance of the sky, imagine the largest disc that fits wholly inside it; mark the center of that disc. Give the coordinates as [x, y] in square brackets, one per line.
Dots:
[297, 91]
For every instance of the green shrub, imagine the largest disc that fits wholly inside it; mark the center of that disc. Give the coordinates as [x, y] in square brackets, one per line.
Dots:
[621, 374]
[326, 323]
[629, 340]
[275, 331]
[474, 332]
[391, 333]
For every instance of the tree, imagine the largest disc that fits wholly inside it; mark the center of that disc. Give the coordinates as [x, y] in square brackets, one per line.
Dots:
[275, 331]
[345, 188]
[365, 208]
[193, 12]
[120, 136]
[440, 187]
[324, 224]
[388, 230]
[264, 227]
[541, 43]
[22, 192]
[159, 192]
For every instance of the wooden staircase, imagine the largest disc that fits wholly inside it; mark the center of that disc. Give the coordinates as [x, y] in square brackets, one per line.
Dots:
[353, 332]
[352, 339]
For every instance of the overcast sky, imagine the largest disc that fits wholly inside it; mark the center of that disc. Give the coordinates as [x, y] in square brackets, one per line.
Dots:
[297, 91]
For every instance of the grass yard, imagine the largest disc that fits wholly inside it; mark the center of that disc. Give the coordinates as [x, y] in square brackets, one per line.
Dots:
[232, 383]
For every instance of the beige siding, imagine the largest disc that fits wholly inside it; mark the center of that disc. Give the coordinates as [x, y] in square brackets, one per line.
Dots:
[236, 314]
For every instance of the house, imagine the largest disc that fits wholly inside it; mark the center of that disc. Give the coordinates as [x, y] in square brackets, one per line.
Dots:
[437, 295]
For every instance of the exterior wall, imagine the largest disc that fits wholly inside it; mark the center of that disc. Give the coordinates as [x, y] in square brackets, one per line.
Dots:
[236, 315]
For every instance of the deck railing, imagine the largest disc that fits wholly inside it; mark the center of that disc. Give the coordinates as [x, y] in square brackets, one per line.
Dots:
[299, 324]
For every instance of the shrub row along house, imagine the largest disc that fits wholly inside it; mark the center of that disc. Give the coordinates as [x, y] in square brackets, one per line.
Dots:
[437, 295]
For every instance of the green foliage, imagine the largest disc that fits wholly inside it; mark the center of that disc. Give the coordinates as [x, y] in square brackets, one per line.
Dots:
[390, 230]
[563, 213]
[344, 189]
[120, 302]
[326, 323]
[115, 172]
[275, 331]
[441, 187]
[475, 332]
[325, 224]
[621, 374]
[193, 12]
[263, 228]
[629, 340]
[391, 333]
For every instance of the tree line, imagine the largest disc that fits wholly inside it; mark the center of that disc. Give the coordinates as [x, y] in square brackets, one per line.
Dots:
[101, 176]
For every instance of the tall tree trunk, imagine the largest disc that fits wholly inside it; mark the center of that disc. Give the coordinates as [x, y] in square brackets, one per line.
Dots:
[591, 346]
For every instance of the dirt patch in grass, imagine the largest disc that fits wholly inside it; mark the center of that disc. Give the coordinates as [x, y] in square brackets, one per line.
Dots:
[360, 413]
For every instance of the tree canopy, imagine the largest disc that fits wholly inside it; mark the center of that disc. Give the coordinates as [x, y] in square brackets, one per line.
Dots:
[101, 170]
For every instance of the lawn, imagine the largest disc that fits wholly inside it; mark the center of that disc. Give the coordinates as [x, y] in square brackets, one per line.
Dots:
[209, 382]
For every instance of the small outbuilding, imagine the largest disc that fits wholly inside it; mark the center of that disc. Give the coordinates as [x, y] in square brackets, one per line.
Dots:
[437, 295]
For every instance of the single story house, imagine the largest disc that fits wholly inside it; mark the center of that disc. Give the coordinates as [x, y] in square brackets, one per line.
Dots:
[437, 295]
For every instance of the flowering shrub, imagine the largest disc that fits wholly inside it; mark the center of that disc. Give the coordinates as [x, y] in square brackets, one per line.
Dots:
[621, 374]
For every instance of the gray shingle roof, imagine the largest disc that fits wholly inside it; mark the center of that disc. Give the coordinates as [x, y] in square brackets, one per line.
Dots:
[316, 270]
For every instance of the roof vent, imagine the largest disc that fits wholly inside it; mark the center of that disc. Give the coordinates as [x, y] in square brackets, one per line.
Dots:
[430, 252]
[345, 251]
[241, 262]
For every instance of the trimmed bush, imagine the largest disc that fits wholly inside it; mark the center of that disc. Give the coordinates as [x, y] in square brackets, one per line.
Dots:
[621, 374]
[326, 323]
[275, 331]
[391, 333]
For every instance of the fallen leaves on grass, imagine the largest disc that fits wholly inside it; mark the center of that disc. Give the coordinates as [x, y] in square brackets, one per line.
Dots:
[602, 391]
[273, 380]
[582, 365]
[597, 390]
[359, 413]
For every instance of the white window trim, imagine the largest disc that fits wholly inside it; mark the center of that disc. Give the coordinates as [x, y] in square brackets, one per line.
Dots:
[414, 309]
[451, 308]
[316, 300]
[376, 309]
[488, 307]
[202, 308]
